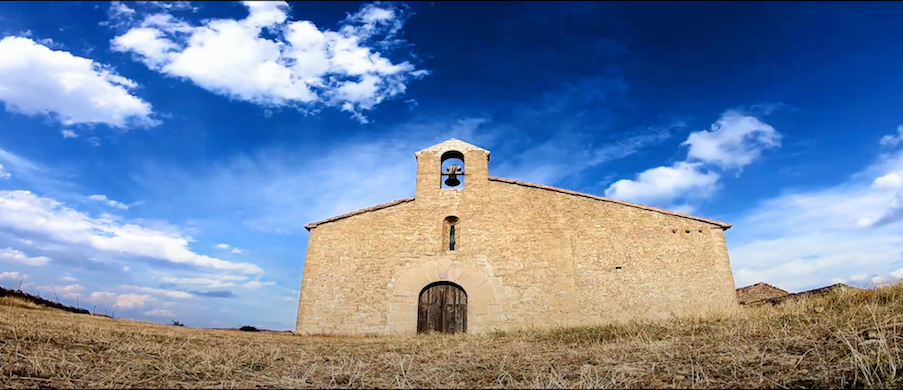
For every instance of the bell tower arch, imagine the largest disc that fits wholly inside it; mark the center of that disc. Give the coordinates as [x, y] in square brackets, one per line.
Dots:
[452, 165]
[452, 174]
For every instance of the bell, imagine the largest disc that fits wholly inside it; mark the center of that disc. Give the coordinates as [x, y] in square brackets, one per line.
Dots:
[452, 181]
[452, 171]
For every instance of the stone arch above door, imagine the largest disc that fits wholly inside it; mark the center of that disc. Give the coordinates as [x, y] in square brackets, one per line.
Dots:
[406, 288]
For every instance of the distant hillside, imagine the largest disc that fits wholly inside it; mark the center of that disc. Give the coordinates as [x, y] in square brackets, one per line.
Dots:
[18, 294]
[762, 293]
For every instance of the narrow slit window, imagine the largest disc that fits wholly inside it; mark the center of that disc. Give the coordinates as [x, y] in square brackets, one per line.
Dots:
[450, 234]
[451, 238]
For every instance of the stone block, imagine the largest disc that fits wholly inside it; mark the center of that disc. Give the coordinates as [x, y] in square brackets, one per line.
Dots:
[477, 309]
[443, 266]
[405, 327]
[432, 269]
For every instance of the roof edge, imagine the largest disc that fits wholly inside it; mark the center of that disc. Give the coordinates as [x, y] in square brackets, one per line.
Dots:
[722, 225]
[361, 211]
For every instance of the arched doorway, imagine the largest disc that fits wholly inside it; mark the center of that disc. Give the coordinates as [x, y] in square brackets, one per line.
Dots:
[442, 307]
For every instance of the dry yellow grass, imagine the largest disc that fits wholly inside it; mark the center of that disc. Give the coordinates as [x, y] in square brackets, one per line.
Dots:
[19, 302]
[841, 340]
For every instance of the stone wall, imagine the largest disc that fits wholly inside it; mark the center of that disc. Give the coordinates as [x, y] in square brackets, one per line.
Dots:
[526, 255]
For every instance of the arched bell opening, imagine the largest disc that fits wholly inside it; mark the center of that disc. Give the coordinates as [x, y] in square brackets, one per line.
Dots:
[452, 170]
[442, 307]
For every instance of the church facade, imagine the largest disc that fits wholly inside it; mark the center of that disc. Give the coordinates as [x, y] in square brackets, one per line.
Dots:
[472, 253]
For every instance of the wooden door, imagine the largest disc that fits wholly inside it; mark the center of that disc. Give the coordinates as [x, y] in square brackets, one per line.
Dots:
[442, 308]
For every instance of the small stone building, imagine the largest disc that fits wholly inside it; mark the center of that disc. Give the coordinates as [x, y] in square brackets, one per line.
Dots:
[471, 253]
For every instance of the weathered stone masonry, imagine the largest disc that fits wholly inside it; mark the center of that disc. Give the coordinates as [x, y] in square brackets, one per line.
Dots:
[526, 255]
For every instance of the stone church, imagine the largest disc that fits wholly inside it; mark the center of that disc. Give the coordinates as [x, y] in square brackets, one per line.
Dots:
[471, 253]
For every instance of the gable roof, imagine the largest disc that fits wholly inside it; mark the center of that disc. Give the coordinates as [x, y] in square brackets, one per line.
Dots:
[361, 211]
[722, 225]
[453, 144]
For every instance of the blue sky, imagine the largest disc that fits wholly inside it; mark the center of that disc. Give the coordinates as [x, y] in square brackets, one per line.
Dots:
[160, 160]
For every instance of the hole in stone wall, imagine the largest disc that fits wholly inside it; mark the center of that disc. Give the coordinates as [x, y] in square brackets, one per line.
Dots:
[618, 268]
[688, 231]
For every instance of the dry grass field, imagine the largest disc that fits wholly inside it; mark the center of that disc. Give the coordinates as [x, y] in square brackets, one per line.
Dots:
[850, 339]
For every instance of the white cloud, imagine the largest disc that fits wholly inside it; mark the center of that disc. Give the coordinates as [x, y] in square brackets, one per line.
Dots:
[36, 80]
[124, 301]
[733, 142]
[68, 279]
[118, 9]
[125, 269]
[127, 301]
[27, 212]
[109, 202]
[171, 5]
[12, 275]
[160, 313]
[230, 248]
[159, 291]
[3, 173]
[102, 296]
[892, 213]
[213, 281]
[304, 67]
[70, 291]
[893, 139]
[890, 181]
[230, 311]
[10, 254]
[69, 134]
[662, 184]
[804, 239]
[255, 284]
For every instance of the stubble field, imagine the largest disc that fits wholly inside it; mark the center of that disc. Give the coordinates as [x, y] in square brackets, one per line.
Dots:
[849, 339]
